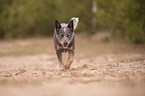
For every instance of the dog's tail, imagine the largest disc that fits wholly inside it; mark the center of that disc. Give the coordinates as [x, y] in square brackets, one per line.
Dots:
[75, 21]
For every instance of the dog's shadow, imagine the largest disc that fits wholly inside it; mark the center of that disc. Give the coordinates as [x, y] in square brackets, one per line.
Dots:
[83, 67]
[78, 68]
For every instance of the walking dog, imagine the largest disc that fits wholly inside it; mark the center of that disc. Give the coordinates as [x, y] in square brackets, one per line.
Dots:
[64, 41]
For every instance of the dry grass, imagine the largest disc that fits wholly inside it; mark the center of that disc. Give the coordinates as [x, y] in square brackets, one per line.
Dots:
[30, 68]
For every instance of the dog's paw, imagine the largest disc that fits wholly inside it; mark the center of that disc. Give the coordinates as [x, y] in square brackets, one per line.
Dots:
[67, 66]
[62, 69]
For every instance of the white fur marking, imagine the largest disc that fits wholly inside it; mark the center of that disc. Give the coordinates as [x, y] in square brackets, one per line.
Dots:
[64, 29]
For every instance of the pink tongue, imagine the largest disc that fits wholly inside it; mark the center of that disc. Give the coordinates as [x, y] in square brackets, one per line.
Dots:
[65, 47]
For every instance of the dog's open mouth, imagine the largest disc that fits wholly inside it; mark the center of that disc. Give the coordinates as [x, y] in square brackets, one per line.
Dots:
[65, 46]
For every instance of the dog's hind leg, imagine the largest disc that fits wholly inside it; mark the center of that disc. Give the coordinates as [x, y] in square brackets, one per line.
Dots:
[70, 59]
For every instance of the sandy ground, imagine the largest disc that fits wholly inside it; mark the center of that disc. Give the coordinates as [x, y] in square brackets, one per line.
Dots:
[29, 67]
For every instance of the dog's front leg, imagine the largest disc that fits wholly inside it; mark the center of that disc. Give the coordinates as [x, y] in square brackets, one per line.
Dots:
[59, 55]
[70, 59]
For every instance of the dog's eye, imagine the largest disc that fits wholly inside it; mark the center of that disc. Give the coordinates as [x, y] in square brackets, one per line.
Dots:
[61, 35]
[68, 35]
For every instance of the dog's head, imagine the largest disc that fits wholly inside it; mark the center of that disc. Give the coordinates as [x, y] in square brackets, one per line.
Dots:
[64, 33]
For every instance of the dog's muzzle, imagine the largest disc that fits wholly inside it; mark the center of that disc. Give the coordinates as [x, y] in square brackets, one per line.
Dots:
[65, 45]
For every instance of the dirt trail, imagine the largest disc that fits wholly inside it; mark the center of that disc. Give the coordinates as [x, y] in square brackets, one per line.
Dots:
[30, 68]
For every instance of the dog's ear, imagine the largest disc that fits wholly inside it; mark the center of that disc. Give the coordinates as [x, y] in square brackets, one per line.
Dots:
[57, 25]
[75, 21]
[71, 25]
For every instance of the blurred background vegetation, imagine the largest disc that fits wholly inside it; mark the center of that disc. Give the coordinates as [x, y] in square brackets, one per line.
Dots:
[124, 19]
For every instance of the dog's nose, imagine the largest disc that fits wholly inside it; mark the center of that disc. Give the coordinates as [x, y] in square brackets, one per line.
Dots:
[65, 43]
